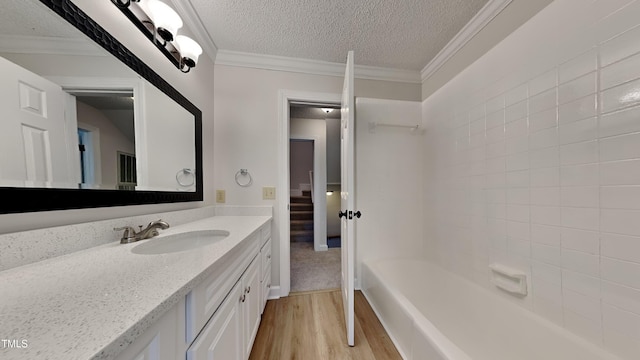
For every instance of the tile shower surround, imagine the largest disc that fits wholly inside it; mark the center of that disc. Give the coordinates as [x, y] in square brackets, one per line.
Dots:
[542, 172]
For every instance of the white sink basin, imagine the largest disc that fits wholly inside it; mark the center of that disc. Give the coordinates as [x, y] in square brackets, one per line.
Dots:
[180, 242]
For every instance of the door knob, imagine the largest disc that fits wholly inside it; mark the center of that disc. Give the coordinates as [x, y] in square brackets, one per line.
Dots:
[357, 214]
[342, 214]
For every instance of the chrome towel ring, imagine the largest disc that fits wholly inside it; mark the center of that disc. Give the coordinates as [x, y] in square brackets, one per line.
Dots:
[186, 172]
[243, 173]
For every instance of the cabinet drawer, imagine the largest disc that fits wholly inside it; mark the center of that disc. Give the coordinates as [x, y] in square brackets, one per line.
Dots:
[265, 255]
[203, 300]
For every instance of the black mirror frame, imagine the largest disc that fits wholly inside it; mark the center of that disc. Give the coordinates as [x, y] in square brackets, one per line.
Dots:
[20, 200]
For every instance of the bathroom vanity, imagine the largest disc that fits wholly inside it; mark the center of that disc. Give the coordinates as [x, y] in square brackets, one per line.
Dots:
[112, 301]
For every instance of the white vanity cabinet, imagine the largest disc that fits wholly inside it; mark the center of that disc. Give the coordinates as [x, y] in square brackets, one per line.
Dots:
[220, 317]
[161, 341]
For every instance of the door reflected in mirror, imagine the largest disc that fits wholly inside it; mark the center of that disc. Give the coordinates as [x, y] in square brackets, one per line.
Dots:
[75, 117]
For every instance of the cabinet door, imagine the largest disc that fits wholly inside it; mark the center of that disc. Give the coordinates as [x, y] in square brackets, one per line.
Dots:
[252, 305]
[222, 336]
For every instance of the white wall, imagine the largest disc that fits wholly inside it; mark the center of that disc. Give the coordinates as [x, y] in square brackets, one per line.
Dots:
[197, 86]
[532, 159]
[388, 181]
[169, 144]
[246, 128]
[333, 150]
[300, 162]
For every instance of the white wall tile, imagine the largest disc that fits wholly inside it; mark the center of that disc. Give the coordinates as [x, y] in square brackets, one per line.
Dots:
[620, 147]
[580, 65]
[621, 296]
[546, 254]
[518, 230]
[581, 305]
[621, 272]
[577, 110]
[620, 221]
[495, 165]
[518, 247]
[549, 196]
[578, 88]
[581, 130]
[477, 126]
[581, 283]
[620, 197]
[544, 138]
[620, 343]
[548, 309]
[515, 95]
[517, 179]
[495, 149]
[580, 218]
[620, 47]
[494, 104]
[495, 119]
[495, 134]
[546, 177]
[543, 101]
[514, 145]
[517, 162]
[579, 153]
[580, 196]
[620, 122]
[580, 175]
[518, 196]
[581, 262]
[620, 247]
[620, 320]
[515, 112]
[543, 120]
[620, 72]
[621, 96]
[581, 240]
[545, 215]
[545, 234]
[543, 82]
[543, 158]
[518, 213]
[548, 290]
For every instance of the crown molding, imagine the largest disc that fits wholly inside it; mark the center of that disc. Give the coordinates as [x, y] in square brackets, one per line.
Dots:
[185, 9]
[314, 67]
[48, 45]
[488, 12]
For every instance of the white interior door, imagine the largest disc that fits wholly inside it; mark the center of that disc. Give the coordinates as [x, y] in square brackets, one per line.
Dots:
[347, 198]
[37, 148]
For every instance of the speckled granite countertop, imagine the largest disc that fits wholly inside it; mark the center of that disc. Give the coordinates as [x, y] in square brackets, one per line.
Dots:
[89, 304]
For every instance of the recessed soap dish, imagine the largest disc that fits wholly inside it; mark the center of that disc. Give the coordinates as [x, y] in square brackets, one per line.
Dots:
[509, 279]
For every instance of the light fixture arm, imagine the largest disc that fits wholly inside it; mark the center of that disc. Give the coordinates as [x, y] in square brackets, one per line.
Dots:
[160, 24]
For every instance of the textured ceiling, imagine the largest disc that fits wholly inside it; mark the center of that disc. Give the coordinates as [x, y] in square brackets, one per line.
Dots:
[401, 34]
[32, 18]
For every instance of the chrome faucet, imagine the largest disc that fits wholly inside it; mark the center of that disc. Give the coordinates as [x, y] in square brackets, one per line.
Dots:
[130, 235]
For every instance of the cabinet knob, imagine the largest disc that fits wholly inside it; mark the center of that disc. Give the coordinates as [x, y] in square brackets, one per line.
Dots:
[248, 289]
[243, 297]
[268, 256]
[269, 286]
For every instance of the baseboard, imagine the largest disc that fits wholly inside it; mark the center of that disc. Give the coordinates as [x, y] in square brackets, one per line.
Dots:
[274, 293]
[321, 248]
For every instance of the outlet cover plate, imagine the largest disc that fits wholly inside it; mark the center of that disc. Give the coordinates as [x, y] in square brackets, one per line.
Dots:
[268, 193]
[220, 196]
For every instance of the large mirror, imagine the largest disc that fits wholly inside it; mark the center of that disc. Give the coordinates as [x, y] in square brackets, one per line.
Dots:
[79, 127]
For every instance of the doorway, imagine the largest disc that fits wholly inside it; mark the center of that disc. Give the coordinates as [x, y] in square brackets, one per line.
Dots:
[314, 163]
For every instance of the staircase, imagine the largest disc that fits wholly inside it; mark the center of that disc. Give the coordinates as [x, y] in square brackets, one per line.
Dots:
[301, 218]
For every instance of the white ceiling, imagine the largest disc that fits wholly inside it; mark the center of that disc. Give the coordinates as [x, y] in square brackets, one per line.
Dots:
[400, 34]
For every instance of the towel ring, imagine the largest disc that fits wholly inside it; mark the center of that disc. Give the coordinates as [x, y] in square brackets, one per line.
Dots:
[243, 172]
[186, 171]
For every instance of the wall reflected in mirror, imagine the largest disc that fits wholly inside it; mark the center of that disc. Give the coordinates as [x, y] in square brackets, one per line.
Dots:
[76, 117]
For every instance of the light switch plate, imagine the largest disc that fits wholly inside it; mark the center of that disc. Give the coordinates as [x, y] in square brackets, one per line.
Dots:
[268, 193]
[220, 196]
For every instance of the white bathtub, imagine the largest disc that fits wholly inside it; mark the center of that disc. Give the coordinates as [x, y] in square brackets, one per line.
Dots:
[432, 314]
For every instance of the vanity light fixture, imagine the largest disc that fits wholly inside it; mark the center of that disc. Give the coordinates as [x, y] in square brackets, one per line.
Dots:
[160, 23]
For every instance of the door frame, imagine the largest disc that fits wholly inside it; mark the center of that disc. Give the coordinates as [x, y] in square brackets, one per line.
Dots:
[285, 97]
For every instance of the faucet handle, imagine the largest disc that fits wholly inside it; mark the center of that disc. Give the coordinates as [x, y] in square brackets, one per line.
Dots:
[128, 236]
